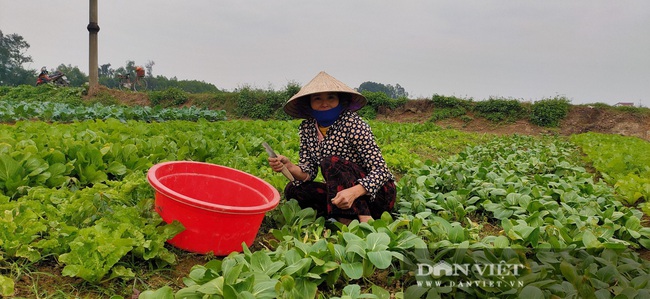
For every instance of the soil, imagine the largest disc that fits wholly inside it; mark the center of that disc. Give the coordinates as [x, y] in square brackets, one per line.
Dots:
[124, 97]
[583, 118]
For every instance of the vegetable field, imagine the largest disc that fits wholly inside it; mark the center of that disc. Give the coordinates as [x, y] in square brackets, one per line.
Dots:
[478, 216]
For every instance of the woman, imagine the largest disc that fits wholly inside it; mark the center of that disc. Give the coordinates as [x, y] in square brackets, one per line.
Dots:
[358, 184]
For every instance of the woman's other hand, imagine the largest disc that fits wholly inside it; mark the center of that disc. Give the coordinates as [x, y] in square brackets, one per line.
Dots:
[346, 197]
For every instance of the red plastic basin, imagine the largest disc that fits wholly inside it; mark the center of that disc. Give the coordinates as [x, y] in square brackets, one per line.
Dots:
[220, 207]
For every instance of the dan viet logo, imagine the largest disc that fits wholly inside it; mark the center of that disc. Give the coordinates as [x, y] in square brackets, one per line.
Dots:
[468, 275]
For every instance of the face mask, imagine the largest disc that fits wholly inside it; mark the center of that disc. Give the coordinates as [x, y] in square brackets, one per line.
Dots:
[326, 118]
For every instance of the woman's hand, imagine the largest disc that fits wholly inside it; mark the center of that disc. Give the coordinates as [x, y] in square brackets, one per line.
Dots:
[346, 197]
[278, 162]
[281, 161]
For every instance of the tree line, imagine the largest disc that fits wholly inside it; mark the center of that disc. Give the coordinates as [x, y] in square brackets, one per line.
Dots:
[13, 48]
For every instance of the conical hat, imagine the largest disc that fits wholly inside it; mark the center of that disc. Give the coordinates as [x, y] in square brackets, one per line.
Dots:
[322, 83]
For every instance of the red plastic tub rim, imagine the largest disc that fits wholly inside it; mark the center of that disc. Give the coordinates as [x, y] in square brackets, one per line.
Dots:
[152, 176]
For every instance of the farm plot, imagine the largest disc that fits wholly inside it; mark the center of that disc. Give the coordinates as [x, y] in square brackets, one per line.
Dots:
[623, 162]
[76, 194]
[560, 234]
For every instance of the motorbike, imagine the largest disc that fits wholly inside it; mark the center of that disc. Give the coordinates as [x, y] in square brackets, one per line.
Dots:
[58, 78]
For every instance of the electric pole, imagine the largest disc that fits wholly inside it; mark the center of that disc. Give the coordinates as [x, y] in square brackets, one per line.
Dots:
[93, 65]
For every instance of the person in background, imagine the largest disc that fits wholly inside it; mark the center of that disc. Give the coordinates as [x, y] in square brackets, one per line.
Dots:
[43, 76]
[334, 138]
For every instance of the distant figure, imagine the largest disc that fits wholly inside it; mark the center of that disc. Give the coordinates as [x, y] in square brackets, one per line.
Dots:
[334, 138]
[43, 77]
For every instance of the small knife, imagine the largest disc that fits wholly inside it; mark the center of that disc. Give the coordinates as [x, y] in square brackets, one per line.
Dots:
[272, 154]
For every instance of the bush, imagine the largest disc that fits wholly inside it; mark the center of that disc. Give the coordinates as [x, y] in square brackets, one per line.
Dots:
[633, 110]
[221, 100]
[45, 92]
[600, 105]
[549, 112]
[441, 101]
[291, 89]
[379, 99]
[252, 103]
[447, 112]
[169, 97]
[627, 109]
[399, 102]
[4, 90]
[466, 119]
[367, 112]
[498, 109]
[264, 104]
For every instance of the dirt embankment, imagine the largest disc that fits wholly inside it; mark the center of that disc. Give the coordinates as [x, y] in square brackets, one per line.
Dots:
[581, 119]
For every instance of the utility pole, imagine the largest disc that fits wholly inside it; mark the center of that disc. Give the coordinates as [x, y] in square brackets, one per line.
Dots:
[93, 65]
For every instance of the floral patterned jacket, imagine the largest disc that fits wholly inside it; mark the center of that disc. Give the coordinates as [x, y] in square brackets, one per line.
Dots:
[349, 137]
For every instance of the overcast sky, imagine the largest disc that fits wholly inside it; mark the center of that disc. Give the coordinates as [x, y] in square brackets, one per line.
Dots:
[588, 50]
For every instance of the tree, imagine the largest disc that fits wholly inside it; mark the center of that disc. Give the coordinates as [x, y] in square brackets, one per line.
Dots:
[149, 67]
[393, 92]
[12, 58]
[74, 74]
[107, 77]
[400, 91]
[374, 87]
[128, 69]
[105, 70]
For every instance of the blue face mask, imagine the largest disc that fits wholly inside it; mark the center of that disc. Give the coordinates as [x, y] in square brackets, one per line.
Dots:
[326, 118]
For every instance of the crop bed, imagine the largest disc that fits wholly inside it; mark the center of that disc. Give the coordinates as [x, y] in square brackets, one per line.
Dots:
[477, 215]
